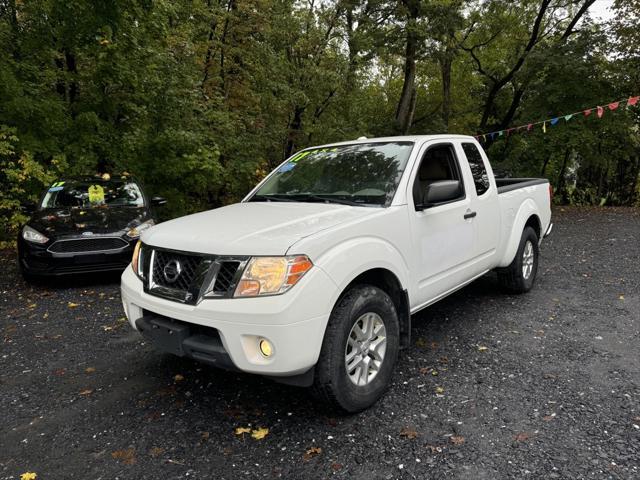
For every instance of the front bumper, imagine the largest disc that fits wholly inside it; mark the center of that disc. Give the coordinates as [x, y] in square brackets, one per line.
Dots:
[294, 323]
[37, 260]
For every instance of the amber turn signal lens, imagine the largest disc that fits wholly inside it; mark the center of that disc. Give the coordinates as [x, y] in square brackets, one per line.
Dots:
[134, 260]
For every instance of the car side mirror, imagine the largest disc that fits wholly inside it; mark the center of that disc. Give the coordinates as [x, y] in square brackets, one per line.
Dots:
[28, 208]
[158, 201]
[439, 192]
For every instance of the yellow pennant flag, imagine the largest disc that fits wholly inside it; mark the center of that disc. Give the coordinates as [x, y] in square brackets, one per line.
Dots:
[544, 127]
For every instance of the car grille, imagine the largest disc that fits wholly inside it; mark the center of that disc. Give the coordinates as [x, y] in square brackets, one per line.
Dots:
[225, 278]
[87, 245]
[185, 277]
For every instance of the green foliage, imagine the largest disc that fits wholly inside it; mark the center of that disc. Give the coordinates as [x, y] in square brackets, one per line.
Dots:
[200, 99]
[23, 179]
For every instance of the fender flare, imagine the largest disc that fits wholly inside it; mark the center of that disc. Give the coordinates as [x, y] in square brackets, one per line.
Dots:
[527, 210]
[373, 253]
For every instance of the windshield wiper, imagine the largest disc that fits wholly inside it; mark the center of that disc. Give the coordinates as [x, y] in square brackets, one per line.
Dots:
[270, 198]
[331, 199]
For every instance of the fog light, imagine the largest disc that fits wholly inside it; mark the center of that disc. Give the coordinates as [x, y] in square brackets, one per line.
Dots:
[266, 348]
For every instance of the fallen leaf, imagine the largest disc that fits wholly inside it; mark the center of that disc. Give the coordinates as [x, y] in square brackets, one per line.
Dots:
[621, 297]
[89, 370]
[86, 392]
[107, 328]
[260, 433]
[242, 430]
[425, 370]
[33, 305]
[409, 433]
[59, 372]
[312, 452]
[46, 315]
[73, 305]
[29, 476]
[439, 390]
[336, 467]
[204, 436]
[421, 342]
[482, 348]
[178, 378]
[456, 439]
[434, 372]
[521, 437]
[156, 451]
[126, 456]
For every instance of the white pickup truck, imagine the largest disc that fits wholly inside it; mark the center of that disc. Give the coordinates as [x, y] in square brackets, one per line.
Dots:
[313, 277]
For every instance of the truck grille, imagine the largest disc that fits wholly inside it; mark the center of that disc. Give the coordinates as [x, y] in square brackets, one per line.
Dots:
[174, 270]
[87, 245]
[186, 277]
[224, 279]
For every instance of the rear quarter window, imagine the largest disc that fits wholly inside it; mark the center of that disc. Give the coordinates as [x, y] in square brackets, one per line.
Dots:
[478, 169]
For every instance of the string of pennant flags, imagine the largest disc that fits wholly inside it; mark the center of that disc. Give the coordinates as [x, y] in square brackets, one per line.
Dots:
[600, 109]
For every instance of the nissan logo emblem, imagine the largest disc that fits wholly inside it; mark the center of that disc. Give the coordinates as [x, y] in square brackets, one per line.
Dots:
[172, 271]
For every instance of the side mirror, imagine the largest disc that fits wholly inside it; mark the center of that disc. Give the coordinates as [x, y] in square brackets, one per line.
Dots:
[28, 208]
[440, 192]
[157, 201]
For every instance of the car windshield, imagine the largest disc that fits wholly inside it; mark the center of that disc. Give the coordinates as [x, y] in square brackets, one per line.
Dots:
[93, 193]
[358, 174]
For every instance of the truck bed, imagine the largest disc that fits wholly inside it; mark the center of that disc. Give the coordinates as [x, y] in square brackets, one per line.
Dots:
[508, 184]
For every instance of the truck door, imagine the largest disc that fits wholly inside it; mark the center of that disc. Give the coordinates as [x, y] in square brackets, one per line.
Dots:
[484, 200]
[442, 233]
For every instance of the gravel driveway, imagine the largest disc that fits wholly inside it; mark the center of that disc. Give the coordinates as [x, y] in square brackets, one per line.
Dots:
[544, 385]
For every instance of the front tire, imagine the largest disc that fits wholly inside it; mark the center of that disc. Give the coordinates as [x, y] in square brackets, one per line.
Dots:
[359, 350]
[520, 275]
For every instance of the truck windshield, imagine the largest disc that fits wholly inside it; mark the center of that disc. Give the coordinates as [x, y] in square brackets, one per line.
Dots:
[358, 174]
[93, 193]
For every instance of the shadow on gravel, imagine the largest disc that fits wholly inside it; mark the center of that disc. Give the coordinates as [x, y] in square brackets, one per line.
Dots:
[77, 281]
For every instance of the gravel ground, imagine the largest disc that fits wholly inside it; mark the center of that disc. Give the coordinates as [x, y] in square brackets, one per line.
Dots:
[545, 385]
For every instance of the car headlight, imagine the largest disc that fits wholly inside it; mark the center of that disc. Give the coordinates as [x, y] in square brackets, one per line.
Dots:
[32, 235]
[136, 231]
[140, 260]
[272, 275]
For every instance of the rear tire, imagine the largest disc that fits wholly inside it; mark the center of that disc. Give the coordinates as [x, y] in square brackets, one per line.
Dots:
[520, 275]
[359, 350]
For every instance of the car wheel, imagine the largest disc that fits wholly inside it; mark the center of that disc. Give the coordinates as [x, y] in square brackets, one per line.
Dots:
[359, 350]
[520, 275]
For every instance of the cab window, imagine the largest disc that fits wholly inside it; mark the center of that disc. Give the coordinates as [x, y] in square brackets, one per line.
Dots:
[478, 170]
[438, 163]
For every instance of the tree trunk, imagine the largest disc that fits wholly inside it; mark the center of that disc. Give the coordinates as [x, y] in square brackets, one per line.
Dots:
[295, 128]
[445, 66]
[407, 102]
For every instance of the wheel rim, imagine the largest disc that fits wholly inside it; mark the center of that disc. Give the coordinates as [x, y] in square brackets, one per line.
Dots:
[366, 348]
[527, 260]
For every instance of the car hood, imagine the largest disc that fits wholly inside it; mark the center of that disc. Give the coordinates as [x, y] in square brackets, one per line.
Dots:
[252, 228]
[60, 222]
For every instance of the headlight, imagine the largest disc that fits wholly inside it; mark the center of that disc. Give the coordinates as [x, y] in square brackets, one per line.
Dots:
[32, 235]
[136, 231]
[271, 275]
[135, 261]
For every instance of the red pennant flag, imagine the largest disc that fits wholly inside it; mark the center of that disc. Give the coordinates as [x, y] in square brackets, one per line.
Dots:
[587, 112]
[632, 101]
[529, 127]
[613, 105]
[600, 112]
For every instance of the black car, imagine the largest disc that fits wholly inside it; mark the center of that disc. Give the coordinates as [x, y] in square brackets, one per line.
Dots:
[84, 225]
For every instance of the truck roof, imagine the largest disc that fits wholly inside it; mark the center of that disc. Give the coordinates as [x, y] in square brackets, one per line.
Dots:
[401, 138]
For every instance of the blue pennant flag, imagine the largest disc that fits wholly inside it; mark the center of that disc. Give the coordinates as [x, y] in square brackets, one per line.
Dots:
[554, 121]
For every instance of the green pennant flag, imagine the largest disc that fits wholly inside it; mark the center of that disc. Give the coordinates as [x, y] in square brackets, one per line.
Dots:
[568, 117]
[501, 133]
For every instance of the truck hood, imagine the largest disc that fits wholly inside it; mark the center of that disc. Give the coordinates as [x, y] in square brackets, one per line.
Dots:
[252, 228]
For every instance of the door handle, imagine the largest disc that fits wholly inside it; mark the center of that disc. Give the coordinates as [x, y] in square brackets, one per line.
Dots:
[470, 215]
